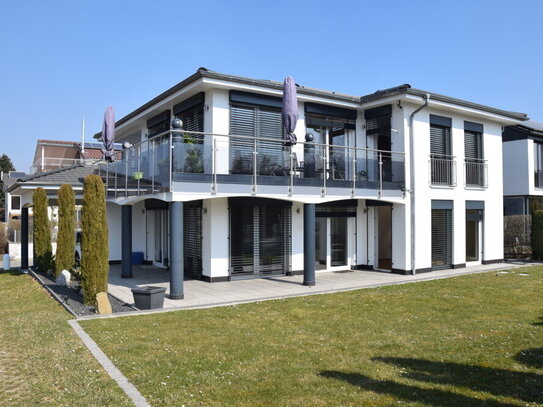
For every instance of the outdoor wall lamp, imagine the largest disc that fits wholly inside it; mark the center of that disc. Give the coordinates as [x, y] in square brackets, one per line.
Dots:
[298, 210]
[204, 210]
[177, 123]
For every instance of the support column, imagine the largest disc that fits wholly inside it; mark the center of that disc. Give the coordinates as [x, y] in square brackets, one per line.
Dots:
[176, 251]
[24, 238]
[309, 244]
[126, 241]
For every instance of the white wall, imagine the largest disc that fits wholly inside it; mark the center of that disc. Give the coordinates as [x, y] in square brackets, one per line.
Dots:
[139, 227]
[297, 237]
[517, 176]
[424, 193]
[114, 230]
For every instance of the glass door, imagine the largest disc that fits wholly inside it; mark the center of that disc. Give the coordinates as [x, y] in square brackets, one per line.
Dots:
[473, 236]
[332, 248]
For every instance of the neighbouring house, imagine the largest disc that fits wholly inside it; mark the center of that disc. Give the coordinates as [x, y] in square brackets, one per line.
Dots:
[522, 182]
[401, 180]
[54, 154]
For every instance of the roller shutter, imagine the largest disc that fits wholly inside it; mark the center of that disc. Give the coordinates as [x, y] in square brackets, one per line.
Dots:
[192, 237]
[260, 238]
[442, 234]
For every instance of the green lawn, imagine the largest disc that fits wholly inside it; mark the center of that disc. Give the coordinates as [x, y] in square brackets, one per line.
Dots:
[42, 361]
[475, 340]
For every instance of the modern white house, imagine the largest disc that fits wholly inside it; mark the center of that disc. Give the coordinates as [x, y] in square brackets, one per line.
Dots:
[401, 180]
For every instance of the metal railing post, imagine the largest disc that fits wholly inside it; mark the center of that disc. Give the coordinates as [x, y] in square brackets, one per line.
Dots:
[153, 168]
[291, 173]
[116, 177]
[255, 152]
[170, 167]
[353, 191]
[214, 165]
[324, 171]
[138, 153]
[380, 174]
[126, 175]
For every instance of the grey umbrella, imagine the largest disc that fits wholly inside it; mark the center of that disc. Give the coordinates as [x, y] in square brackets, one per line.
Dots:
[290, 110]
[108, 134]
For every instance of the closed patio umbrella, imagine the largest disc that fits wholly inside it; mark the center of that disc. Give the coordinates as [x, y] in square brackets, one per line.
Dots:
[108, 134]
[290, 110]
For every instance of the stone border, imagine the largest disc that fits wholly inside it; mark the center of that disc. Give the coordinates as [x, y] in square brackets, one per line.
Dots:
[109, 367]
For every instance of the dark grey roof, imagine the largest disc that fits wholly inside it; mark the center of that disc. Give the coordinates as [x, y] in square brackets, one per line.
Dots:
[72, 175]
[406, 88]
[532, 125]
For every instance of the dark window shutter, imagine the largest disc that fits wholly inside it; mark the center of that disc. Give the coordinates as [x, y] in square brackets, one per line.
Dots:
[440, 140]
[442, 234]
[473, 146]
[192, 236]
[254, 121]
[260, 238]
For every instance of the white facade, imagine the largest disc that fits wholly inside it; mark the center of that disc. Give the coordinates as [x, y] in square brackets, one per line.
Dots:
[377, 236]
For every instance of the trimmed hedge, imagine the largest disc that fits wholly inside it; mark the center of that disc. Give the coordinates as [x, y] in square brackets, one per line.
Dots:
[537, 234]
[94, 239]
[65, 259]
[42, 231]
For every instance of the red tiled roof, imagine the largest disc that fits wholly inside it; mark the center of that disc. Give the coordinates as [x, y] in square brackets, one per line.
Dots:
[72, 143]
[92, 153]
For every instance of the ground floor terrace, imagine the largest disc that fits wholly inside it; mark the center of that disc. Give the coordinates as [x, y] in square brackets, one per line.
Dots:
[200, 294]
[225, 239]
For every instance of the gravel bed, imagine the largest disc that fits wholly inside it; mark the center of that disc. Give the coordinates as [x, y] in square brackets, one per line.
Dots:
[74, 300]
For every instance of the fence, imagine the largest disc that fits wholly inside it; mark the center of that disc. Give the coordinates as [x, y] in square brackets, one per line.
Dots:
[517, 236]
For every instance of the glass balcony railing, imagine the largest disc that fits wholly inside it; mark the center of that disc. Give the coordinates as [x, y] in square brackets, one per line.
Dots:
[164, 162]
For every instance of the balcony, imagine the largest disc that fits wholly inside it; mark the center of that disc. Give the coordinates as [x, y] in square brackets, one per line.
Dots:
[183, 161]
[442, 170]
[476, 173]
[45, 164]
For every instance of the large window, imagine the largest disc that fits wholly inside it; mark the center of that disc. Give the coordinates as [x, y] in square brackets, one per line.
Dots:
[441, 161]
[475, 165]
[255, 116]
[442, 234]
[538, 164]
[260, 237]
[15, 202]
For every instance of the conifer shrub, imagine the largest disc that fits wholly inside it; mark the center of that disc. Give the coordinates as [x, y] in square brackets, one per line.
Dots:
[65, 259]
[43, 251]
[94, 239]
[537, 234]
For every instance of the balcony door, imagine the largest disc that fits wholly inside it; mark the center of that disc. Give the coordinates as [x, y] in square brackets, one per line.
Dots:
[330, 155]
[334, 235]
[162, 241]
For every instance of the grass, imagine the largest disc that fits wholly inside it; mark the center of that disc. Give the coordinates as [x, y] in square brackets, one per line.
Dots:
[474, 340]
[42, 361]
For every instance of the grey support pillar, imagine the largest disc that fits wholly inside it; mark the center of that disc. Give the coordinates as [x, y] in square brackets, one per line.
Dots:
[309, 244]
[126, 240]
[176, 251]
[24, 238]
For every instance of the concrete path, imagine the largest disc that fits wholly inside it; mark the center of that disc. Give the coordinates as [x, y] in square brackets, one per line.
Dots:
[199, 294]
[109, 367]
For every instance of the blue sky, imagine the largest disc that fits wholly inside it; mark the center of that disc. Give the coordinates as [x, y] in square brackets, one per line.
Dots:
[62, 60]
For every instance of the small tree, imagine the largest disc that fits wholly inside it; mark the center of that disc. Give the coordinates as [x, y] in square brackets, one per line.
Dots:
[64, 259]
[42, 231]
[94, 239]
[537, 234]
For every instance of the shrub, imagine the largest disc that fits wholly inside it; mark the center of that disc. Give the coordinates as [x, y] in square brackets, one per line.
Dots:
[94, 240]
[537, 234]
[42, 232]
[64, 259]
[4, 243]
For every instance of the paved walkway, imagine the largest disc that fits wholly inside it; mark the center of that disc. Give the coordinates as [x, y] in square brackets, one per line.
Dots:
[199, 294]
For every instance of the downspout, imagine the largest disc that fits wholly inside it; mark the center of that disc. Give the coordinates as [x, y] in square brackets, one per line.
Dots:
[412, 180]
